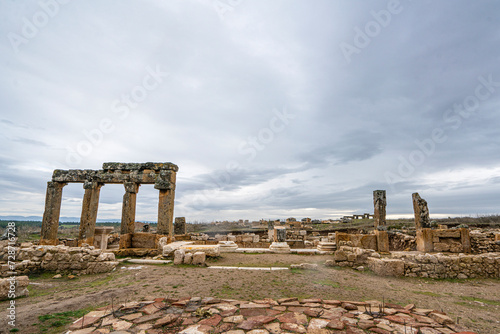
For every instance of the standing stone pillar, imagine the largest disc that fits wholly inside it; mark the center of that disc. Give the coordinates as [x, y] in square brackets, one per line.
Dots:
[128, 207]
[180, 226]
[89, 212]
[279, 245]
[50, 222]
[424, 238]
[279, 234]
[166, 185]
[421, 212]
[270, 230]
[379, 204]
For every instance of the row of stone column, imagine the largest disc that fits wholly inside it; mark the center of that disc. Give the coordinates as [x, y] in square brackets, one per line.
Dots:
[90, 204]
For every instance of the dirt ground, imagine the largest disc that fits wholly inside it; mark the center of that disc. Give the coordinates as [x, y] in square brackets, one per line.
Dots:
[475, 302]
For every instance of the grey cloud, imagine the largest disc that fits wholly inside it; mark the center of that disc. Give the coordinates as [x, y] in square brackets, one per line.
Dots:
[353, 121]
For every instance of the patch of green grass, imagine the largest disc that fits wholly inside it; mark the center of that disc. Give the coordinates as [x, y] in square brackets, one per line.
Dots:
[41, 276]
[226, 291]
[102, 281]
[14, 330]
[428, 293]
[296, 271]
[482, 300]
[327, 282]
[53, 323]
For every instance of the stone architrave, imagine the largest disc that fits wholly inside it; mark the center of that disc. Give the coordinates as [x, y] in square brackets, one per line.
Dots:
[50, 222]
[128, 207]
[421, 212]
[180, 226]
[89, 212]
[379, 204]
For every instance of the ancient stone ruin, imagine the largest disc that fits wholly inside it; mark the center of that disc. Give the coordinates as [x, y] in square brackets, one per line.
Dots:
[131, 175]
[379, 203]
[421, 212]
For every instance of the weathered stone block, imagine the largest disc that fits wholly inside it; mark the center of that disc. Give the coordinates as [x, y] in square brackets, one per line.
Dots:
[447, 233]
[170, 248]
[15, 286]
[179, 256]
[126, 241]
[209, 250]
[387, 267]
[424, 240]
[382, 241]
[199, 258]
[188, 258]
[441, 247]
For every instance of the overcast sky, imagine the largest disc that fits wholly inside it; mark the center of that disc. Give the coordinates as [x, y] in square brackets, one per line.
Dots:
[270, 109]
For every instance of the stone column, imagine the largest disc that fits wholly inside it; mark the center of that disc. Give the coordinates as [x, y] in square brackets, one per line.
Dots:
[50, 222]
[279, 245]
[421, 212]
[180, 226]
[128, 207]
[279, 234]
[379, 204]
[166, 185]
[89, 212]
[270, 230]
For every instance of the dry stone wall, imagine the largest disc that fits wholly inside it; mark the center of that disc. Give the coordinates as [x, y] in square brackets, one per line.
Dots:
[416, 264]
[485, 242]
[77, 260]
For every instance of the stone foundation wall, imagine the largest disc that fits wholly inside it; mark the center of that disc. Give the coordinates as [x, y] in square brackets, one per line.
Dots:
[450, 266]
[77, 260]
[485, 242]
[401, 242]
[416, 264]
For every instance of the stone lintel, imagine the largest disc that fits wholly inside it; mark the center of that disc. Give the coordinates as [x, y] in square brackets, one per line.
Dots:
[128, 166]
[146, 176]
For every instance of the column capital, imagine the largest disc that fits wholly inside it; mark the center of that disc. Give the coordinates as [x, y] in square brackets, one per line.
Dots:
[131, 187]
[164, 185]
[92, 184]
[55, 184]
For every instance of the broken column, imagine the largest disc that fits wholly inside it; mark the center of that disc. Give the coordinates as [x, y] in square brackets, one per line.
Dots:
[128, 207]
[89, 212]
[270, 230]
[180, 226]
[379, 204]
[279, 245]
[50, 222]
[421, 212]
[424, 238]
[166, 185]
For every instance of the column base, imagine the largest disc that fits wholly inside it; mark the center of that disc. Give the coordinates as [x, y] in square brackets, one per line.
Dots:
[279, 247]
[227, 246]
